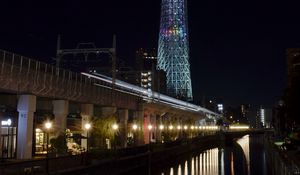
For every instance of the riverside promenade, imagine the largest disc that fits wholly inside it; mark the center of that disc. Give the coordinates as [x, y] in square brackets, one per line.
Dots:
[119, 161]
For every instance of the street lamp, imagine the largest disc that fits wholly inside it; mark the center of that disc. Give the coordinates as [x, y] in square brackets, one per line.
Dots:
[161, 127]
[134, 127]
[48, 126]
[87, 127]
[149, 149]
[150, 128]
[115, 128]
[135, 135]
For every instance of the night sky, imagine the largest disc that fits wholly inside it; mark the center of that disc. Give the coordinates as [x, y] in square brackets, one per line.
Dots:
[237, 49]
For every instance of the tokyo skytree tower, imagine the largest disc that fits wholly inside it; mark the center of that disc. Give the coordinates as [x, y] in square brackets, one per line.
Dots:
[173, 48]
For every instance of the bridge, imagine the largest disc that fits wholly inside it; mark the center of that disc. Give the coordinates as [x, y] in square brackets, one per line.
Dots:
[32, 87]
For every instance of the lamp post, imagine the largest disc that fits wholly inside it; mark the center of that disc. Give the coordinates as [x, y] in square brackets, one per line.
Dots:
[48, 126]
[161, 128]
[134, 127]
[87, 127]
[149, 149]
[115, 128]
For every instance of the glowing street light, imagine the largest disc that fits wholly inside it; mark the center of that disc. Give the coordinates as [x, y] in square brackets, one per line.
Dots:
[48, 126]
[87, 127]
[185, 127]
[150, 127]
[134, 127]
[161, 127]
[171, 127]
[178, 127]
[115, 126]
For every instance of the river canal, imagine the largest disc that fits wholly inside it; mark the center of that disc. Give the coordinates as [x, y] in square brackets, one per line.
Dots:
[246, 156]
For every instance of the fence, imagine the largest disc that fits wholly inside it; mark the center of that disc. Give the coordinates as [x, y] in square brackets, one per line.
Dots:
[19, 74]
[280, 163]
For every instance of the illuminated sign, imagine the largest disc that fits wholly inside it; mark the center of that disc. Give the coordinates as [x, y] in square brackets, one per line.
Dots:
[6, 123]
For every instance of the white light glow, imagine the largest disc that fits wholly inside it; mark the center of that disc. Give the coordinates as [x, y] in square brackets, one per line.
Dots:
[6, 123]
[48, 125]
[115, 126]
[134, 127]
[87, 126]
[161, 127]
[239, 127]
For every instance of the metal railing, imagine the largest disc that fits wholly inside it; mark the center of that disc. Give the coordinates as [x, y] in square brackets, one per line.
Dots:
[280, 163]
[38, 166]
[21, 75]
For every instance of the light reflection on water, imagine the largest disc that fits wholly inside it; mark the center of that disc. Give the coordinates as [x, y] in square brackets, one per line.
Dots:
[203, 164]
[222, 161]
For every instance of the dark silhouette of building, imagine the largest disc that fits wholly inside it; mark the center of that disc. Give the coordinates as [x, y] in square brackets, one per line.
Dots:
[293, 88]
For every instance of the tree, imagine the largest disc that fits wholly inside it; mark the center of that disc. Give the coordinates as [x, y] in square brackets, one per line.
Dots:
[59, 144]
[102, 129]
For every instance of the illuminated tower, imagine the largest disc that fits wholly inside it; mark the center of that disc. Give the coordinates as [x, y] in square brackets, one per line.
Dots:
[173, 48]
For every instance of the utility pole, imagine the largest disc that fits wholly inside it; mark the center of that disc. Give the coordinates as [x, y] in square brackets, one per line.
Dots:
[60, 53]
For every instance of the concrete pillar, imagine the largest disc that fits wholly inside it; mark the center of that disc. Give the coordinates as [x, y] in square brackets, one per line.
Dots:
[87, 111]
[26, 108]
[138, 134]
[154, 129]
[60, 111]
[147, 122]
[106, 111]
[0, 139]
[123, 118]
[158, 131]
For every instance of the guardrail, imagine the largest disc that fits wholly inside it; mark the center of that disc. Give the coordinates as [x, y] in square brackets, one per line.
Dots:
[20, 74]
[38, 166]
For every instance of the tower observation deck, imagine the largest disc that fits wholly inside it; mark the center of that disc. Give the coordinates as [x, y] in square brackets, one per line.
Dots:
[173, 48]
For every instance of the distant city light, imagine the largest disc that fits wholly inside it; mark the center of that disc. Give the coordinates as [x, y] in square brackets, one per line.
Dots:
[239, 127]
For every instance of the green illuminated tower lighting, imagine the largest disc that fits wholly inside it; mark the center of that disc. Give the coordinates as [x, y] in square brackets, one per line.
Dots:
[173, 48]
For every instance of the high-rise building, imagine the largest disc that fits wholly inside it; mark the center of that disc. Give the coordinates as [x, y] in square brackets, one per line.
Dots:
[264, 118]
[148, 76]
[293, 60]
[293, 93]
[173, 48]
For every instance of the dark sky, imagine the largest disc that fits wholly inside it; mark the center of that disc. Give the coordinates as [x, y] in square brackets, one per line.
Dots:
[237, 48]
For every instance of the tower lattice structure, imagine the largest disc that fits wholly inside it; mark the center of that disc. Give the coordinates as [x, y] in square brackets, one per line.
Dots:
[173, 48]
